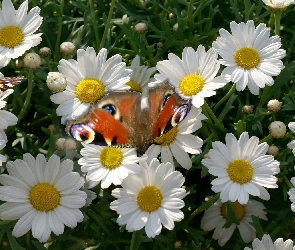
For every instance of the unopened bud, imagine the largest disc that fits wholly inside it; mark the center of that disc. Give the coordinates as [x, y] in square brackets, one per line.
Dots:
[140, 28]
[175, 27]
[56, 81]
[277, 129]
[247, 109]
[273, 150]
[45, 51]
[67, 48]
[60, 144]
[70, 144]
[52, 128]
[274, 105]
[32, 61]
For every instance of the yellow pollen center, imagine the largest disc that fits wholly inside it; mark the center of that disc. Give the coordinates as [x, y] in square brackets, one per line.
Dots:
[167, 138]
[111, 158]
[134, 86]
[11, 36]
[238, 209]
[90, 90]
[44, 197]
[149, 199]
[240, 171]
[191, 84]
[247, 58]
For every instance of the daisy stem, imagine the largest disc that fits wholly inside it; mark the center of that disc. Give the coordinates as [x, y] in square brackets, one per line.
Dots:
[223, 99]
[289, 184]
[59, 25]
[203, 207]
[107, 26]
[214, 118]
[277, 23]
[93, 19]
[28, 97]
[267, 138]
[246, 3]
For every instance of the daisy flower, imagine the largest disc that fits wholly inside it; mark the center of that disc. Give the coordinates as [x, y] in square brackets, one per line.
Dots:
[193, 76]
[250, 55]
[150, 199]
[6, 117]
[242, 168]
[292, 194]
[291, 144]
[3, 141]
[88, 80]
[179, 141]
[42, 196]
[215, 218]
[278, 5]
[266, 244]
[107, 164]
[17, 29]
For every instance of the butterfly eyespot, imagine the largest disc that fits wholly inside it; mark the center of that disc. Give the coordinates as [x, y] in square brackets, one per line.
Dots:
[82, 133]
[111, 109]
[179, 114]
[165, 99]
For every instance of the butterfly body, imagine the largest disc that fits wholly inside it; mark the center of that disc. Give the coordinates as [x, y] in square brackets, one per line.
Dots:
[120, 119]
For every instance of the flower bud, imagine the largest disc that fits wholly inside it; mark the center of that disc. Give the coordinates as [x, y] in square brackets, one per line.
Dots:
[177, 245]
[56, 81]
[60, 144]
[67, 48]
[45, 51]
[32, 61]
[247, 109]
[19, 63]
[140, 28]
[273, 150]
[70, 144]
[274, 105]
[175, 27]
[160, 45]
[171, 15]
[52, 128]
[277, 129]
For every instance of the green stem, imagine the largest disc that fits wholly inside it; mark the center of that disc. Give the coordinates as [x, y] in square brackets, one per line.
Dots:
[204, 206]
[223, 99]
[28, 97]
[190, 11]
[267, 138]
[59, 25]
[214, 118]
[247, 14]
[108, 24]
[277, 23]
[289, 184]
[290, 49]
[95, 28]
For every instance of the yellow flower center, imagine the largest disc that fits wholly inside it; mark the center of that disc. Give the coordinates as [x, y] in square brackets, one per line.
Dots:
[44, 197]
[240, 171]
[111, 158]
[167, 138]
[90, 90]
[238, 209]
[134, 86]
[149, 198]
[247, 58]
[11, 36]
[191, 84]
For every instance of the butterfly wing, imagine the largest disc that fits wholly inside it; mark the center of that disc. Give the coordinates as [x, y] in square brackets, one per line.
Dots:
[9, 82]
[111, 122]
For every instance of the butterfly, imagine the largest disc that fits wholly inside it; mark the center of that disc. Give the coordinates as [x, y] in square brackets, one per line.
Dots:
[119, 118]
[9, 82]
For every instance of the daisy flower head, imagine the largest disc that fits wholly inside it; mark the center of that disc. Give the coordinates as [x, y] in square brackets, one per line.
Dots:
[150, 199]
[242, 168]
[42, 196]
[250, 55]
[215, 218]
[266, 244]
[3, 141]
[108, 165]
[278, 5]
[291, 144]
[6, 117]
[193, 76]
[179, 141]
[88, 80]
[291, 193]
[17, 28]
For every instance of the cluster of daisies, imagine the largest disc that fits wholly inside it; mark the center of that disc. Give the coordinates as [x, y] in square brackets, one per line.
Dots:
[46, 195]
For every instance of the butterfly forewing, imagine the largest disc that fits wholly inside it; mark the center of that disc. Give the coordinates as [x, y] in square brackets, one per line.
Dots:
[9, 82]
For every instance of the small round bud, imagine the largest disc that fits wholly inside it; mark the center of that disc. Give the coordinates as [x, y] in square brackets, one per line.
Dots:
[175, 27]
[256, 19]
[51, 128]
[277, 129]
[160, 45]
[273, 150]
[70, 144]
[247, 109]
[67, 48]
[45, 51]
[171, 15]
[32, 61]
[206, 156]
[143, 5]
[19, 63]
[140, 28]
[60, 144]
[56, 81]
[274, 105]
[177, 245]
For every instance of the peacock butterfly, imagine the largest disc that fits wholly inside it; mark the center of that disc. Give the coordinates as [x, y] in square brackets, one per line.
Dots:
[120, 119]
[9, 82]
